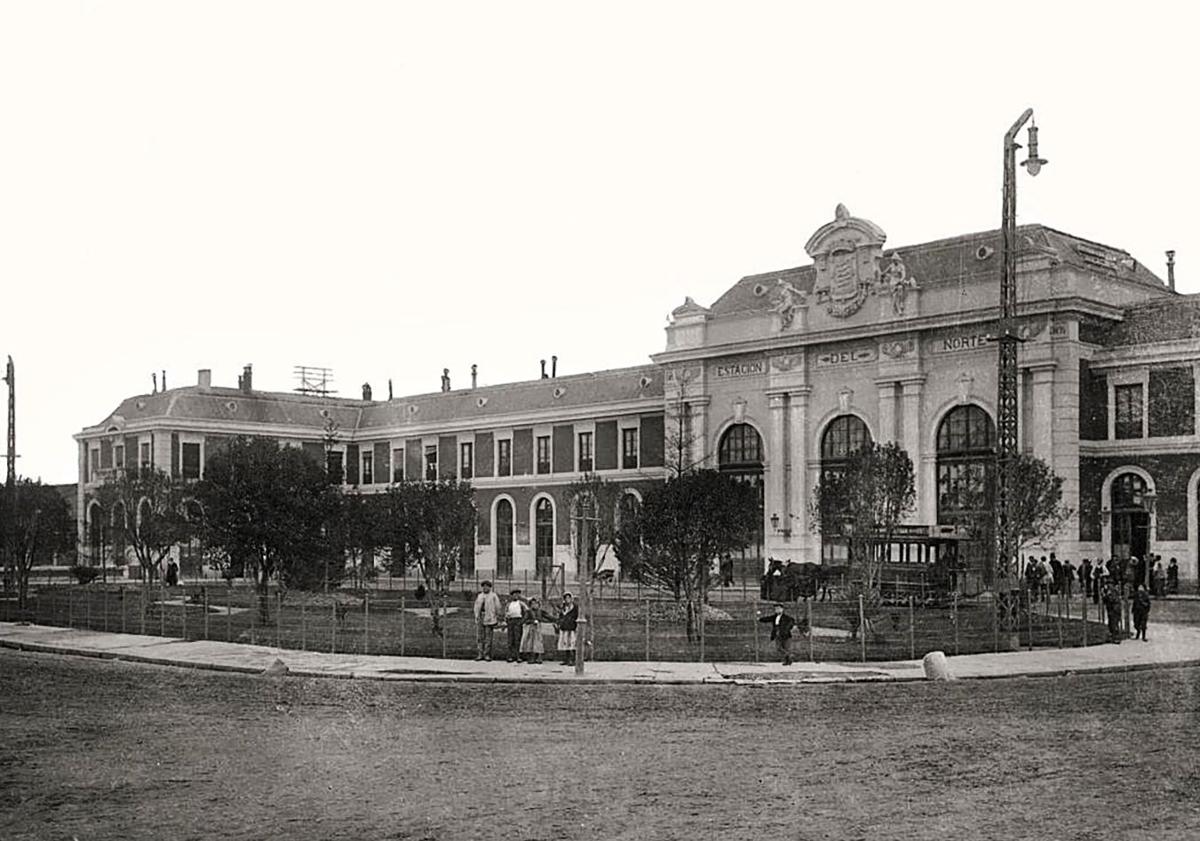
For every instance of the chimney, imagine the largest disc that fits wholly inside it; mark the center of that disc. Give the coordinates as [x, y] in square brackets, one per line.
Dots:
[245, 382]
[389, 388]
[204, 378]
[154, 379]
[445, 379]
[474, 375]
[1171, 269]
[366, 391]
[543, 369]
[164, 373]
[553, 366]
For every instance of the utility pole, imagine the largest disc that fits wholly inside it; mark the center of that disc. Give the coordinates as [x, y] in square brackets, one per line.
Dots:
[10, 539]
[1006, 450]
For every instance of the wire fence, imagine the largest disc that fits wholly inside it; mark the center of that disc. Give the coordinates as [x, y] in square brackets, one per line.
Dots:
[622, 625]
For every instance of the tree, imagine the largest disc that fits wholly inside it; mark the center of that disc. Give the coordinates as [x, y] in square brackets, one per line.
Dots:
[147, 510]
[271, 508]
[863, 501]
[431, 526]
[682, 527]
[38, 528]
[1036, 513]
[356, 530]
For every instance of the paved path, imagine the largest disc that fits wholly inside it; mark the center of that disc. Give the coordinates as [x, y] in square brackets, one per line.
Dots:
[1169, 645]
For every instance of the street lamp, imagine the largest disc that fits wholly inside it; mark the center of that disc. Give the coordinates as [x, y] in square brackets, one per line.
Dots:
[1007, 338]
[1150, 500]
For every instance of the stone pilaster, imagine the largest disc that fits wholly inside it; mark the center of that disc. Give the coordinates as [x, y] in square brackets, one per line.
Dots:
[887, 410]
[775, 501]
[1042, 413]
[911, 389]
[798, 435]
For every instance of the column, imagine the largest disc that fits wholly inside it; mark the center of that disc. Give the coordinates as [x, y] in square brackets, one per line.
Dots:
[699, 432]
[775, 501]
[1042, 413]
[910, 399]
[887, 411]
[798, 435]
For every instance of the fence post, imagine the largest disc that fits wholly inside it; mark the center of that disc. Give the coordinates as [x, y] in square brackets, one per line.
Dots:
[912, 629]
[229, 615]
[162, 607]
[183, 615]
[303, 628]
[279, 619]
[701, 621]
[121, 593]
[811, 633]
[862, 629]
[996, 621]
[142, 604]
[647, 630]
[955, 623]
[754, 618]
[402, 612]
[366, 623]
[1029, 616]
[104, 603]
[87, 609]
[205, 592]
[333, 627]
[70, 608]
[1060, 620]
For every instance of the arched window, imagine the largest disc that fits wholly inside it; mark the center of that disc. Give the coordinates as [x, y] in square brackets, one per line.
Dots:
[1130, 517]
[740, 454]
[966, 460]
[504, 538]
[543, 520]
[627, 508]
[843, 436]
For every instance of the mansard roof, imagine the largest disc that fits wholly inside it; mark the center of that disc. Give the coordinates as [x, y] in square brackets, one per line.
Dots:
[968, 258]
[311, 414]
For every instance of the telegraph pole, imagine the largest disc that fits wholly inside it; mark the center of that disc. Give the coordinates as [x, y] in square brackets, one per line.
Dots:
[1006, 450]
[10, 539]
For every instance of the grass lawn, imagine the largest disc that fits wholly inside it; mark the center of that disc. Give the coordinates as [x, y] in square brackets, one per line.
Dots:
[96, 749]
[344, 622]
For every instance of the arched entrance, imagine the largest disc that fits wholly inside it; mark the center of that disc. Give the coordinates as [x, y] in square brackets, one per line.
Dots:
[504, 538]
[740, 455]
[1130, 517]
[966, 458]
[843, 436]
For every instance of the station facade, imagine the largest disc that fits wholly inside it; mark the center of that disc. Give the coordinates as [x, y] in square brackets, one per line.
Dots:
[781, 377]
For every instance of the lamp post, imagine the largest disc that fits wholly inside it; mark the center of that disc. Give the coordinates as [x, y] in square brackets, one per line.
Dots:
[1007, 338]
[1150, 500]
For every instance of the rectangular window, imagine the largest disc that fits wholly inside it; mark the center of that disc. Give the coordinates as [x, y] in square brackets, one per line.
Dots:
[144, 458]
[585, 452]
[466, 466]
[629, 448]
[1128, 400]
[368, 467]
[119, 456]
[190, 461]
[94, 463]
[333, 467]
[431, 463]
[504, 457]
[398, 464]
[543, 454]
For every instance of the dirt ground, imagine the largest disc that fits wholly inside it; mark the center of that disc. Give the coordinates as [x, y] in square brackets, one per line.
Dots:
[96, 749]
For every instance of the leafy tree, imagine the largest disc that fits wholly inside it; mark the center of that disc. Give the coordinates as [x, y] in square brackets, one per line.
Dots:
[1036, 513]
[429, 526]
[148, 514]
[682, 527]
[38, 529]
[864, 501]
[356, 530]
[271, 508]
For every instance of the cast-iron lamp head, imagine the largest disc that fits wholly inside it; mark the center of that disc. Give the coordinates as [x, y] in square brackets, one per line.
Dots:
[1033, 164]
[775, 521]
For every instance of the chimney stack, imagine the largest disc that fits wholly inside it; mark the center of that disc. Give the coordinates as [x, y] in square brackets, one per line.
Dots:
[164, 373]
[389, 388]
[553, 366]
[204, 378]
[445, 379]
[245, 382]
[1171, 269]
[154, 379]
[543, 369]
[474, 375]
[366, 391]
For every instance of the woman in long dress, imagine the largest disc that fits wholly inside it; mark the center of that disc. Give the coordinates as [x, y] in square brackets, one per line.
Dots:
[532, 646]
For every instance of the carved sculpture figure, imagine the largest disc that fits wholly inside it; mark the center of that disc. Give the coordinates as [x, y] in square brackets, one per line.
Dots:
[895, 277]
[789, 299]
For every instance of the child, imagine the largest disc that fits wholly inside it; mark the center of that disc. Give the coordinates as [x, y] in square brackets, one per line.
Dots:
[568, 619]
[532, 646]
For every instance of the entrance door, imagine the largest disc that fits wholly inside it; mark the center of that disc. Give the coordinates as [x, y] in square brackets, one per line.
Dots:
[1130, 534]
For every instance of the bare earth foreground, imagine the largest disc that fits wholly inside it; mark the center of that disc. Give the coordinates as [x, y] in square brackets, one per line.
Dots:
[100, 749]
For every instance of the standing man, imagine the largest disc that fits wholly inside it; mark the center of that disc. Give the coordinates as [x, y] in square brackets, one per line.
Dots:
[1110, 593]
[781, 633]
[487, 616]
[568, 619]
[1141, 612]
[514, 617]
[1085, 577]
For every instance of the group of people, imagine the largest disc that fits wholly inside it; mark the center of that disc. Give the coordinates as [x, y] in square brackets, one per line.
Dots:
[522, 619]
[1050, 577]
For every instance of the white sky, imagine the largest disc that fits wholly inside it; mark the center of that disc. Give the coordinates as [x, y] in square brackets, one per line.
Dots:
[389, 189]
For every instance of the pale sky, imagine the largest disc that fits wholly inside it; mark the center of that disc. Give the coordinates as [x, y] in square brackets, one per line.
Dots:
[388, 189]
